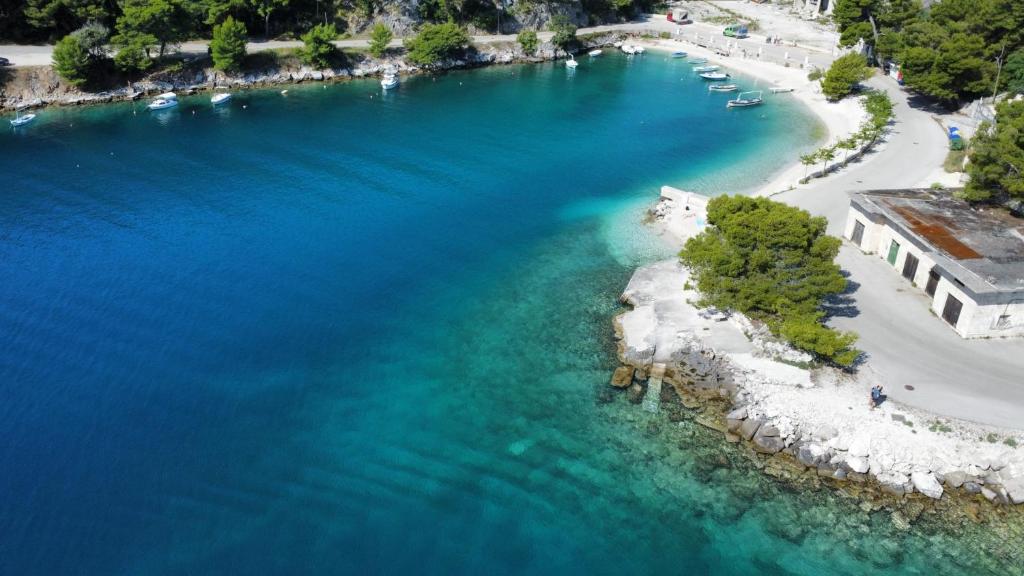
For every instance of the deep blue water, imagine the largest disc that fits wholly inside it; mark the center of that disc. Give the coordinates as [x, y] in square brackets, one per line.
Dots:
[345, 332]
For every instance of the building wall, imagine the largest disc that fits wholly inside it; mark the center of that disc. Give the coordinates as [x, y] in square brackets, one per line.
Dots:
[975, 321]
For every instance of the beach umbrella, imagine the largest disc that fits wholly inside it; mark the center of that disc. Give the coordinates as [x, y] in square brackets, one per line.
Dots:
[786, 57]
[807, 61]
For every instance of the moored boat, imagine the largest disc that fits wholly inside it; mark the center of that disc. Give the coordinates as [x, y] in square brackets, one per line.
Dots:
[780, 89]
[21, 120]
[679, 54]
[697, 61]
[595, 52]
[389, 80]
[714, 76]
[741, 102]
[220, 98]
[710, 68]
[167, 96]
[162, 104]
[723, 88]
[571, 62]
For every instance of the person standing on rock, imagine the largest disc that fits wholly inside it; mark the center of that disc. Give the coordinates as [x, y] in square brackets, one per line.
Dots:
[876, 396]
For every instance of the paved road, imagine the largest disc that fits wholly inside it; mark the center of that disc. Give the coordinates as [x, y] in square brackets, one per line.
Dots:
[40, 55]
[978, 380]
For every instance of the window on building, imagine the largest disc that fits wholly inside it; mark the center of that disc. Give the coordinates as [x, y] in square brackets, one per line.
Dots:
[858, 233]
[951, 312]
[910, 267]
[933, 282]
[894, 251]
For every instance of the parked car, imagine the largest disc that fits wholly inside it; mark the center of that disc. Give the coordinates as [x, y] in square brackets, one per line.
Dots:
[4, 61]
[679, 17]
[736, 31]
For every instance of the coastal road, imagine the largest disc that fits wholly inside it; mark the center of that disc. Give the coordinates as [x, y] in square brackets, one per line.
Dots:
[22, 55]
[977, 380]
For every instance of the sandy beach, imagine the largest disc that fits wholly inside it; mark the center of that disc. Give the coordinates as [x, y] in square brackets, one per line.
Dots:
[839, 118]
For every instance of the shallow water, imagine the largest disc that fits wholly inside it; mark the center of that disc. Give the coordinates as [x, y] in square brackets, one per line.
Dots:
[343, 332]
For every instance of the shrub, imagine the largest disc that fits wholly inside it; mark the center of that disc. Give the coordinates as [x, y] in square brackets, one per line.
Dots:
[435, 42]
[379, 39]
[528, 40]
[227, 48]
[565, 32]
[133, 51]
[71, 60]
[774, 263]
[843, 76]
[318, 48]
[815, 75]
[93, 37]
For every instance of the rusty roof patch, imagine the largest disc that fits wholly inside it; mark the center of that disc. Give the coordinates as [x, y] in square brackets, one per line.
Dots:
[936, 230]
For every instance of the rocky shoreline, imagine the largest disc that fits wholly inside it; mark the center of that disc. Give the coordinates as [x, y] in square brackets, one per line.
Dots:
[815, 420]
[39, 87]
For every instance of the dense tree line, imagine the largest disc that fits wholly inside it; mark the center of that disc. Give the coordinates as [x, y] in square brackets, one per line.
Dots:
[950, 51]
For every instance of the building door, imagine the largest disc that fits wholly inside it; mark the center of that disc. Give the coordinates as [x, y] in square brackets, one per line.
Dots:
[894, 251]
[910, 267]
[951, 312]
[933, 282]
[858, 233]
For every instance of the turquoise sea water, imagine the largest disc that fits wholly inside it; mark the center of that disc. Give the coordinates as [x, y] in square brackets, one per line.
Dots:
[345, 333]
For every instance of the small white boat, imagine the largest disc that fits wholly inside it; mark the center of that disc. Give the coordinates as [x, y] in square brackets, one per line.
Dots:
[723, 88]
[714, 76]
[741, 102]
[167, 96]
[595, 52]
[629, 49]
[162, 104]
[220, 98]
[639, 49]
[679, 54]
[710, 68]
[571, 62]
[389, 81]
[617, 44]
[780, 89]
[20, 120]
[697, 61]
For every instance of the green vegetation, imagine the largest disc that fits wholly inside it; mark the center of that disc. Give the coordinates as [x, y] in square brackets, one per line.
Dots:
[379, 39]
[997, 156]
[71, 60]
[565, 32]
[318, 49]
[816, 74]
[844, 75]
[435, 42]
[954, 161]
[228, 45]
[266, 8]
[774, 263]
[528, 40]
[950, 51]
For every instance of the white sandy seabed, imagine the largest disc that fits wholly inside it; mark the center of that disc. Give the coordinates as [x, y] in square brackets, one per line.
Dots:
[821, 416]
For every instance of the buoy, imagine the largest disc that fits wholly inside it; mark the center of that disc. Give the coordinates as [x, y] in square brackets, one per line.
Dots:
[244, 106]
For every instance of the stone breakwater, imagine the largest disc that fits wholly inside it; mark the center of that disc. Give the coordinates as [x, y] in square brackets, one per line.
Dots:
[41, 86]
[776, 402]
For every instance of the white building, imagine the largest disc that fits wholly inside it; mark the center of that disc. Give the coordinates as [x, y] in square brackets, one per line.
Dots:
[814, 7]
[970, 261]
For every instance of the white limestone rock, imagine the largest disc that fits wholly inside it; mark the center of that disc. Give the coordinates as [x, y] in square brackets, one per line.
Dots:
[926, 483]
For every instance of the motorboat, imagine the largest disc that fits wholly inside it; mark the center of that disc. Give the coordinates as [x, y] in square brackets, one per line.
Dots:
[629, 49]
[595, 52]
[167, 96]
[714, 76]
[723, 88]
[697, 61]
[710, 68]
[220, 98]
[571, 62]
[741, 102]
[389, 81]
[162, 104]
[639, 49]
[679, 54]
[780, 89]
[21, 120]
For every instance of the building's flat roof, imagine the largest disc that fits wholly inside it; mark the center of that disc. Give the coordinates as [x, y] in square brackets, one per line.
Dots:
[982, 246]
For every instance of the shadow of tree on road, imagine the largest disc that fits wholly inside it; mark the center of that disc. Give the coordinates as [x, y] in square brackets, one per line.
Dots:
[843, 305]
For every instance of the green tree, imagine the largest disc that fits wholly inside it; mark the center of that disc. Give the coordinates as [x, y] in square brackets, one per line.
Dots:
[873, 21]
[774, 263]
[848, 144]
[166, 21]
[957, 68]
[133, 51]
[844, 74]
[265, 8]
[71, 60]
[93, 36]
[528, 40]
[1013, 72]
[565, 32]
[808, 160]
[435, 42]
[62, 16]
[319, 47]
[379, 39]
[879, 108]
[227, 48]
[826, 155]
[996, 162]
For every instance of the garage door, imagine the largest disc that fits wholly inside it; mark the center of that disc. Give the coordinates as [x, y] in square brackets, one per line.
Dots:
[951, 312]
[910, 267]
[894, 251]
